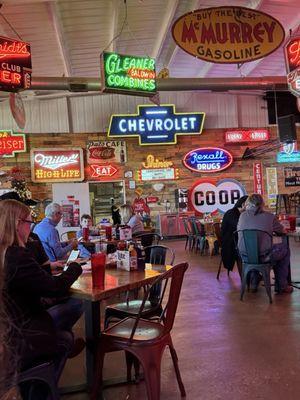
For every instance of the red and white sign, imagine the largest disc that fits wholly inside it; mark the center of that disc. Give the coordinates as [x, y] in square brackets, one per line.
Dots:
[246, 135]
[11, 143]
[98, 171]
[258, 178]
[57, 165]
[139, 206]
[106, 151]
[292, 62]
[152, 199]
[15, 65]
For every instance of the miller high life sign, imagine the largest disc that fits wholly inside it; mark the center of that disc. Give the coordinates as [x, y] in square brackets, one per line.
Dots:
[15, 65]
[57, 165]
[228, 34]
[292, 61]
[246, 135]
[11, 143]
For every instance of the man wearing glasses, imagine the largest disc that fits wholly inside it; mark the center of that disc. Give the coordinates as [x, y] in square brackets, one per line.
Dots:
[49, 236]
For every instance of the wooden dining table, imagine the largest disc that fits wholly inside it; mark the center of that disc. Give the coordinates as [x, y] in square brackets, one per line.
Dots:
[116, 281]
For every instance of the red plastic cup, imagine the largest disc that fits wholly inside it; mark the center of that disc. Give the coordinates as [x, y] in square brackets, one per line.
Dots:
[85, 234]
[292, 219]
[108, 232]
[98, 269]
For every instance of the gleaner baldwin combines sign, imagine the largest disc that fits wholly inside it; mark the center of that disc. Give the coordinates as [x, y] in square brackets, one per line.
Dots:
[207, 159]
[292, 61]
[11, 143]
[57, 165]
[206, 196]
[128, 74]
[15, 65]
[228, 34]
[157, 170]
[246, 135]
[156, 125]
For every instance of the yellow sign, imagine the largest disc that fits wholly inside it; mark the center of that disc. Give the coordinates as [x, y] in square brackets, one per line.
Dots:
[228, 34]
[156, 163]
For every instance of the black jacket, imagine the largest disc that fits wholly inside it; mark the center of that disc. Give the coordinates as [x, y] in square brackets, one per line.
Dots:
[229, 226]
[32, 330]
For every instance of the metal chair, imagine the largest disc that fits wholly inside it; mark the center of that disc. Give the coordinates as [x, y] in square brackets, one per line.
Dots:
[255, 259]
[199, 235]
[156, 254]
[68, 235]
[144, 339]
[148, 239]
[189, 234]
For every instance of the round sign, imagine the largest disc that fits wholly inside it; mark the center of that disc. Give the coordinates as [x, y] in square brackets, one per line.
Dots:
[17, 109]
[208, 159]
[228, 34]
[207, 197]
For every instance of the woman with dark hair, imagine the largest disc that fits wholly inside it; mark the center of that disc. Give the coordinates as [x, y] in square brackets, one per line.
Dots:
[30, 330]
[255, 217]
[230, 220]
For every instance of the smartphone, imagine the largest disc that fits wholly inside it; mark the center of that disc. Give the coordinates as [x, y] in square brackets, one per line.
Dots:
[73, 256]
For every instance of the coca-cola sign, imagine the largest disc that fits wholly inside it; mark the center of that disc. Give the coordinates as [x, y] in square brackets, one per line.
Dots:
[106, 151]
[57, 165]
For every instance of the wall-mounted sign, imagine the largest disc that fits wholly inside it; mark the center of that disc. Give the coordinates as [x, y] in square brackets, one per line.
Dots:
[246, 135]
[205, 196]
[292, 62]
[272, 186]
[112, 151]
[156, 125]
[292, 176]
[258, 178]
[152, 199]
[98, 171]
[11, 143]
[152, 162]
[57, 165]
[207, 159]
[128, 74]
[288, 153]
[15, 65]
[228, 34]
[158, 174]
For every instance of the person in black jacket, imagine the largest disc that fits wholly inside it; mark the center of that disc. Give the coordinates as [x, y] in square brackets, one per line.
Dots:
[29, 329]
[229, 226]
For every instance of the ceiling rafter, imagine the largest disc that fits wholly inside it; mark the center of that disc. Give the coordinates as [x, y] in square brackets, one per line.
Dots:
[114, 26]
[165, 27]
[61, 40]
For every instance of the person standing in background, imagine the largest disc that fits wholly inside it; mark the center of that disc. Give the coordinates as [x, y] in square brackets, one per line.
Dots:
[115, 213]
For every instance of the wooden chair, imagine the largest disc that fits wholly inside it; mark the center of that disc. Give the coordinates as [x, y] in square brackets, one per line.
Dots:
[68, 235]
[144, 339]
[155, 255]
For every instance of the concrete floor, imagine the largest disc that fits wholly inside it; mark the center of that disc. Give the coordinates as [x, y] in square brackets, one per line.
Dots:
[227, 349]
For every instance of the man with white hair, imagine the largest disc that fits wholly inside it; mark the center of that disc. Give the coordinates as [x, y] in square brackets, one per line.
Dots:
[49, 236]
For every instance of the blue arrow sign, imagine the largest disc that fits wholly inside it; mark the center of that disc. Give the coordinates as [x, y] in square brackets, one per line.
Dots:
[156, 125]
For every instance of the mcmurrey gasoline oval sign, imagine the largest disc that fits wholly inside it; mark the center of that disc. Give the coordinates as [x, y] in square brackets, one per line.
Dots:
[228, 34]
[208, 159]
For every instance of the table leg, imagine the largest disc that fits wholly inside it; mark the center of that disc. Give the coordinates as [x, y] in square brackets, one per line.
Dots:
[92, 332]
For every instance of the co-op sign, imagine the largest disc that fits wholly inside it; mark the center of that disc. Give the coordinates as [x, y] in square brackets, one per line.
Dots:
[208, 197]
[228, 34]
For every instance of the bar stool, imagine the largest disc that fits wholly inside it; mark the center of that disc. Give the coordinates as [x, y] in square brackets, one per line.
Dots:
[285, 200]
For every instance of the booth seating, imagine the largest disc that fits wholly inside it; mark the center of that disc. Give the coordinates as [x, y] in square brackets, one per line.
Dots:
[146, 340]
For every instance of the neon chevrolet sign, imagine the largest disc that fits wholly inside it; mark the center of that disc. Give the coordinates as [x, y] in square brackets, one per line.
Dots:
[156, 125]
[128, 74]
[15, 65]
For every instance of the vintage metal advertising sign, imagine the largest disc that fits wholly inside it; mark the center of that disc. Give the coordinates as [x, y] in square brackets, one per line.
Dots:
[57, 165]
[11, 143]
[246, 135]
[207, 159]
[292, 61]
[128, 74]
[156, 125]
[272, 186]
[292, 176]
[15, 65]
[258, 178]
[157, 170]
[206, 196]
[288, 153]
[228, 34]
[106, 151]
